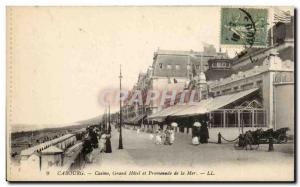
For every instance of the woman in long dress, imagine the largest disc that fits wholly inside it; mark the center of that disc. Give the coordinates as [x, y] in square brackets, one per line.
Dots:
[108, 143]
[158, 138]
[102, 142]
[172, 136]
[195, 135]
[204, 134]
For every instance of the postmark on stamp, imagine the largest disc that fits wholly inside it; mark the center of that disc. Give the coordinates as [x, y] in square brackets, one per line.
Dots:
[244, 26]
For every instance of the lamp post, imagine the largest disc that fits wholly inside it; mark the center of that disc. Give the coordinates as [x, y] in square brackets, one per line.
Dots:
[121, 122]
[109, 126]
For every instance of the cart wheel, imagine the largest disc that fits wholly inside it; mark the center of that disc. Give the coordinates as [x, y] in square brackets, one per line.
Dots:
[282, 139]
[237, 147]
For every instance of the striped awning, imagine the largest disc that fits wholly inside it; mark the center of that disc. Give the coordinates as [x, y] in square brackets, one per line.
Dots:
[212, 104]
[203, 107]
[137, 119]
[162, 114]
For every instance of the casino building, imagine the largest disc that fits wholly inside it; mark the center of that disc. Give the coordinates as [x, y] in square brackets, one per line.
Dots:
[253, 90]
[259, 97]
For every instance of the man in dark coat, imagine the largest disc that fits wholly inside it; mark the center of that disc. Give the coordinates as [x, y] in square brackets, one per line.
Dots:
[204, 134]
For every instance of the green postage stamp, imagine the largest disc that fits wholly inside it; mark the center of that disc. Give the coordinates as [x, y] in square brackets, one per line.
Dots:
[246, 27]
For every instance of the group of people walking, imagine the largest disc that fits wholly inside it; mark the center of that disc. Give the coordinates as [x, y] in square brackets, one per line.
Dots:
[96, 139]
[200, 134]
[104, 142]
[164, 137]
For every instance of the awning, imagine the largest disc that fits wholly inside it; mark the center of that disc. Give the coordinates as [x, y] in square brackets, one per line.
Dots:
[162, 114]
[137, 119]
[128, 121]
[201, 108]
[211, 104]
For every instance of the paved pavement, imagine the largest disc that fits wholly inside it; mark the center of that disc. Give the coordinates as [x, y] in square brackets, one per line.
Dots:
[140, 152]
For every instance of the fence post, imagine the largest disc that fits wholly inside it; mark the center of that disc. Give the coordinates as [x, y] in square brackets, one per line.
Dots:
[271, 147]
[224, 118]
[219, 138]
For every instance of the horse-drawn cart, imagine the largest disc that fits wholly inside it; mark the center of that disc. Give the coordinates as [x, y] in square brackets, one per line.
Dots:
[252, 139]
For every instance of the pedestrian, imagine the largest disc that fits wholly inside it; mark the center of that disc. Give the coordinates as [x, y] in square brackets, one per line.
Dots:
[108, 143]
[158, 137]
[196, 133]
[163, 136]
[102, 142]
[204, 134]
[172, 136]
[87, 149]
[168, 135]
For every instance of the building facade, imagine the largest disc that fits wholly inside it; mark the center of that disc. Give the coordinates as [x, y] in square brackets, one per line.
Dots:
[171, 70]
[255, 89]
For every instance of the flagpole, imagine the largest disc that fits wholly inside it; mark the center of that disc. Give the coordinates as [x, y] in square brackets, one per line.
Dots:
[271, 30]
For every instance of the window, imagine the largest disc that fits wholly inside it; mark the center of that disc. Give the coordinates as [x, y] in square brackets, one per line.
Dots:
[169, 66]
[177, 67]
[160, 65]
[259, 83]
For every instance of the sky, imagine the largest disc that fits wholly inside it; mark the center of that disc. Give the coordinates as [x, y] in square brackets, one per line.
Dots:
[64, 56]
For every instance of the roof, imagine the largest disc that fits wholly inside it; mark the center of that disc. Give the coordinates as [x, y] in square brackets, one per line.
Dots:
[138, 118]
[190, 52]
[176, 52]
[168, 111]
[212, 104]
[135, 119]
[42, 146]
[245, 54]
[52, 150]
[129, 120]
[216, 74]
[244, 67]
[200, 108]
